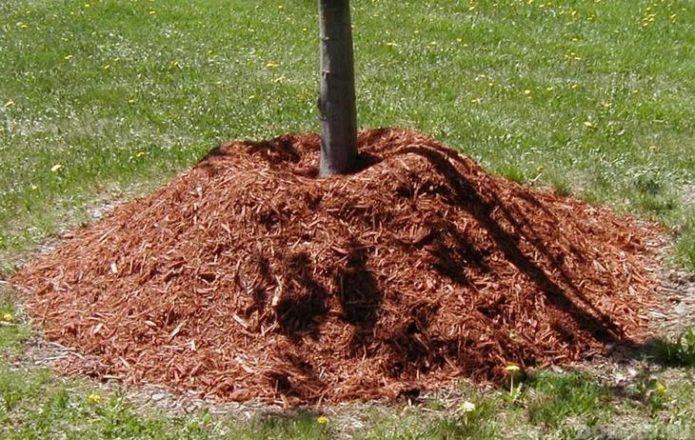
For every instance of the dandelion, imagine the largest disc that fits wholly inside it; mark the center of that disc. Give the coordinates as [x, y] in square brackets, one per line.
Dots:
[94, 399]
[660, 388]
[67, 57]
[467, 407]
[514, 371]
[648, 19]
[55, 168]
[589, 124]
[7, 317]
[652, 148]
[322, 420]
[272, 65]
[527, 92]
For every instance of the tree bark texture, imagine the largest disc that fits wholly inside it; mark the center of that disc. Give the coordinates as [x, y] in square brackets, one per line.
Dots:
[337, 101]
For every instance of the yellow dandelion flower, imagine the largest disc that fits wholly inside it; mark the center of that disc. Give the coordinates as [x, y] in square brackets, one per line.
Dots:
[55, 168]
[322, 420]
[7, 317]
[67, 57]
[588, 124]
[660, 388]
[94, 398]
[512, 368]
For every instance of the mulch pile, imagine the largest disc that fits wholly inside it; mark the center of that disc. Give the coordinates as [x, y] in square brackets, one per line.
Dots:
[249, 277]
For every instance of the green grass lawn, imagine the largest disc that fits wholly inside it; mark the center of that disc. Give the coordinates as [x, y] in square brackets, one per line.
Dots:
[106, 99]
[594, 98]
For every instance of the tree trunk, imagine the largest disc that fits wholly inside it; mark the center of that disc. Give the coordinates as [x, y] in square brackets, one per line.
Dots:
[337, 100]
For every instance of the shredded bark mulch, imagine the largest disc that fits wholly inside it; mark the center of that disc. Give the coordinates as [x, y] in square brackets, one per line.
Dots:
[249, 277]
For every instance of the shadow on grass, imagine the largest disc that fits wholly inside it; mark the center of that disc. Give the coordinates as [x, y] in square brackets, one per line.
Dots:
[679, 352]
[299, 424]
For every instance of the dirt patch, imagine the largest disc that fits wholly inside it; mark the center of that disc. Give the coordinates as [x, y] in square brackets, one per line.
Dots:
[248, 277]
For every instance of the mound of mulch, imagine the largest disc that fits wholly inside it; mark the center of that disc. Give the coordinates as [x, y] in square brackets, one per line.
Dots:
[249, 277]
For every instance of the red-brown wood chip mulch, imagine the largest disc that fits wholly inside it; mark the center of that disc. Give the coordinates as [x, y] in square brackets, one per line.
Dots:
[249, 277]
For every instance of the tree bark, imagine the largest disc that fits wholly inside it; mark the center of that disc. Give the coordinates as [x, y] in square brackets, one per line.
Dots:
[337, 101]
